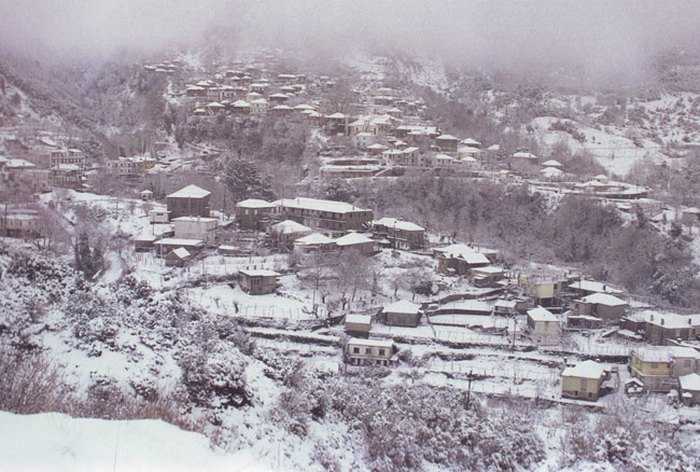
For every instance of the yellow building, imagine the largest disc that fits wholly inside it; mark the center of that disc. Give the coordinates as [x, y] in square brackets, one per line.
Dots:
[654, 368]
[584, 380]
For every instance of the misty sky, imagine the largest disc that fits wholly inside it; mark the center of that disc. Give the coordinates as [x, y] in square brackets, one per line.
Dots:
[602, 35]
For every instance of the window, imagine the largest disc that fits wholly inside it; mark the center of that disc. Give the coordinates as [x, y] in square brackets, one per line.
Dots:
[368, 351]
[355, 350]
[381, 352]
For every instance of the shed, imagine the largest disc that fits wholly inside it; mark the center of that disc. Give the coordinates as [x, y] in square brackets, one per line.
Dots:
[258, 281]
[358, 325]
[177, 257]
[402, 313]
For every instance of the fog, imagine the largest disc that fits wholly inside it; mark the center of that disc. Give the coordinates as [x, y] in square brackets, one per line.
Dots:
[604, 37]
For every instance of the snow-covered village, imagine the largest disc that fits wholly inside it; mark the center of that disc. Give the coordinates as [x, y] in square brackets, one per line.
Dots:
[343, 248]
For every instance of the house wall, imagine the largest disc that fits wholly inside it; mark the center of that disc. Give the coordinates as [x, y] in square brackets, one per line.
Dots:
[252, 218]
[649, 368]
[360, 354]
[684, 366]
[578, 387]
[188, 206]
[402, 319]
[204, 230]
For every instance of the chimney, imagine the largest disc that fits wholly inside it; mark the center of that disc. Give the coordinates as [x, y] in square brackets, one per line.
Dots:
[662, 321]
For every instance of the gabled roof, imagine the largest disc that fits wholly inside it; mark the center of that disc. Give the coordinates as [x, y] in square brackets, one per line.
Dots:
[337, 116]
[446, 137]
[289, 227]
[312, 239]
[524, 155]
[191, 191]
[402, 306]
[254, 203]
[586, 369]
[240, 104]
[180, 252]
[398, 224]
[551, 163]
[541, 314]
[603, 299]
[471, 142]
[352, 239]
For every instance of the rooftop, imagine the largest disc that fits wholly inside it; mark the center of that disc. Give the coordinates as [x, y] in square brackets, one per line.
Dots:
[254, 203]
[259, 273]
[351, 239]
[191, 191]
[603, 299]
[690, 382]
[586, 369]
[398, 224]
[358, 319]
[385, 343]
[541, 314]
[315, 238]
[304, 203]
[402, 306]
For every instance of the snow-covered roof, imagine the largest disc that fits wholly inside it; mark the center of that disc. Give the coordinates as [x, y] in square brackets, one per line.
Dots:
[524, 155]
[444, 157]
[195, 219]
[551, 163]
[592, 286]
[352, 239]
[468, 150]
[312, 239]
[259, 101]
[337, 116]
[385, 343]
[586, 369]
[316, 204]
[181, 252]
[603, 299]
[376, 146]
[690, 382]
[402, 306]
[471, 142]
[684, 352]
[670, 320]
[303, 106]
[214, 105]
[259, 273]
[180, 242]
[398, 224]
[240, 104]
[541, 314]
[358, 319]
[653, 354]
[489, 270]
[254, 203]
[446, 137]
[289, 227]
[191, 191]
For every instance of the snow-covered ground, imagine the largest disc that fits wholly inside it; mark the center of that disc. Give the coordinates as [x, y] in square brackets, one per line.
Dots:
[57, 442]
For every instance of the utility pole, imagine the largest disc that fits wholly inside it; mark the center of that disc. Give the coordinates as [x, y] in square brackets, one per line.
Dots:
[470, 377]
